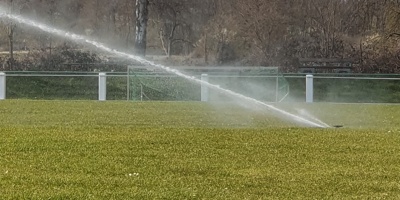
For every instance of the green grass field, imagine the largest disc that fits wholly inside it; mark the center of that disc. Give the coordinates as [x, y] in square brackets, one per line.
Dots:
[193, 150]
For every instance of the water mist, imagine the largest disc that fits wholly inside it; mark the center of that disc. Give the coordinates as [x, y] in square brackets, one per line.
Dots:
[81, 39]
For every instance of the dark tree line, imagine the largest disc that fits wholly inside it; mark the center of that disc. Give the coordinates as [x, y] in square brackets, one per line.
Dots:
[218, 32]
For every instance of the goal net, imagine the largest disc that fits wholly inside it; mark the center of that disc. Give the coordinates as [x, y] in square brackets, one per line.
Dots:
[151, 84]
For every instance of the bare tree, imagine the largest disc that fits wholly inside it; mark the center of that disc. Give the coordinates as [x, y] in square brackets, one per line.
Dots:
[10, 34]
[141, 27]
[169, 21]
[263, 26]
[393, 19]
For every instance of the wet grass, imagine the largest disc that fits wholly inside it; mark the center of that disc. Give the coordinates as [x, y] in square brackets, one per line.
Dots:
[191, 150]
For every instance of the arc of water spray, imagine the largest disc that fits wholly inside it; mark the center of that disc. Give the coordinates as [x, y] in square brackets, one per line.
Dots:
[82, 39]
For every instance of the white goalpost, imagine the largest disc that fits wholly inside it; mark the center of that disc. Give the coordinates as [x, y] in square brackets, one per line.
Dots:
[149, 83]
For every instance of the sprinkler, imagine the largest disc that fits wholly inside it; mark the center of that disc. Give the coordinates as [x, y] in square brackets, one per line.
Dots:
[337, 126]
[82, 39]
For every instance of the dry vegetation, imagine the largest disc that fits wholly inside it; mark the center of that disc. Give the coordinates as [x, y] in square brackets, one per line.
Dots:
[219, 32]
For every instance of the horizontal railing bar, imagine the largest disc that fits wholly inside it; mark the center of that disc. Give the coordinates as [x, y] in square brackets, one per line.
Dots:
[352, 78]
[50, 75]
[124, 74]
[357, 78]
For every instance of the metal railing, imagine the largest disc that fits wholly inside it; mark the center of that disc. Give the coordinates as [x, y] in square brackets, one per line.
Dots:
[122, 86]
[348, 88]
[63, 85]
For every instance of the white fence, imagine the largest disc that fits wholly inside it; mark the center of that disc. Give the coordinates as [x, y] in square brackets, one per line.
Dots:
[102, 81]
[305, 88]
[2, 86]
[346, 88]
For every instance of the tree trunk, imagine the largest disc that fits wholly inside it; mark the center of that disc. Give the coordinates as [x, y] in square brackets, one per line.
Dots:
[141, 26]
[11, 39]
[50, 45]
[171, 36]
[11, 46]
[169, 47]
[205, 49]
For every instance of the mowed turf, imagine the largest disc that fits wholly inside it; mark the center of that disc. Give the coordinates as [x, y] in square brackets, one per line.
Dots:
[193, 150]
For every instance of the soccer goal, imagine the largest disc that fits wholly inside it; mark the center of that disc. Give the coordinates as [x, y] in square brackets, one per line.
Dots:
[152, 84]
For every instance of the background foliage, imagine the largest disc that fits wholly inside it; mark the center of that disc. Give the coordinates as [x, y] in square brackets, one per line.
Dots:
[218, 32]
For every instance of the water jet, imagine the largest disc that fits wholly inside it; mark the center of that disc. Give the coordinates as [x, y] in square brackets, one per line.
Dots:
[102, 47]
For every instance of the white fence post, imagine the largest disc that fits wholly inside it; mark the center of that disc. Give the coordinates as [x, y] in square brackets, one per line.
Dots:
[309, 88]
[2, 86]
[102, 86]
[204, 88]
